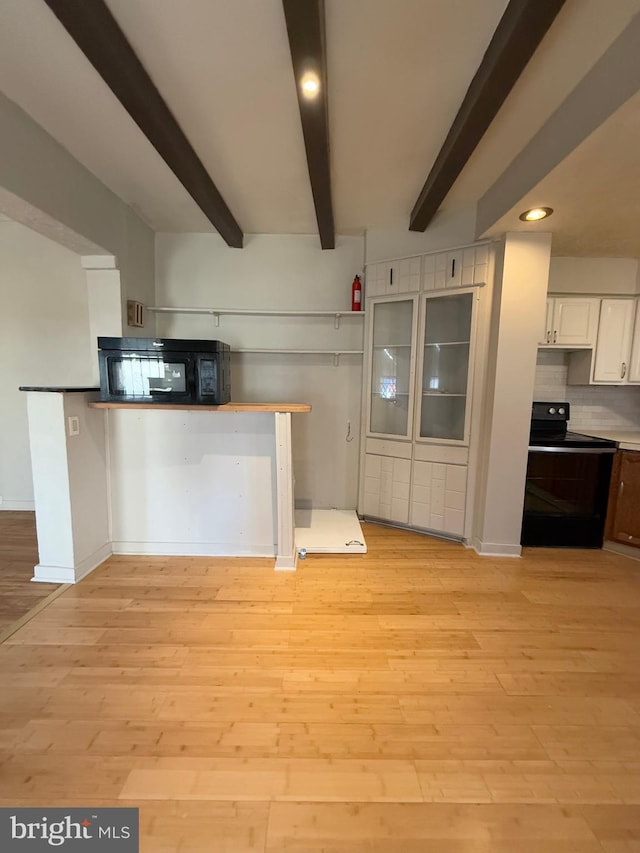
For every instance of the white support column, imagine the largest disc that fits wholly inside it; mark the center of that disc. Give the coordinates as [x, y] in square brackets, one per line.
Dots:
[518, 311]
[52, 496]
[104, 295]
[68, 458]
[286, 554]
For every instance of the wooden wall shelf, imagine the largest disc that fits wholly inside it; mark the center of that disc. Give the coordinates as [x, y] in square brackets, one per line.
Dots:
[258, 312]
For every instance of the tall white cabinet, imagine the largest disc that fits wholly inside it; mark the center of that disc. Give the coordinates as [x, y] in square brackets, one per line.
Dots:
[419, 364]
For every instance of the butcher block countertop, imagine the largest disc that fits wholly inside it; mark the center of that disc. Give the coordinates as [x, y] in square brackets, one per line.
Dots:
[626, 439]
[228, 407]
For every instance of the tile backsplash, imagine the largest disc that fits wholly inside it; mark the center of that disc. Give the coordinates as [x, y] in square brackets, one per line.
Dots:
[592, 406]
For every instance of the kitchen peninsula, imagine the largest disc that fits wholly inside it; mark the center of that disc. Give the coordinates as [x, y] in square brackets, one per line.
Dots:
[158, 480]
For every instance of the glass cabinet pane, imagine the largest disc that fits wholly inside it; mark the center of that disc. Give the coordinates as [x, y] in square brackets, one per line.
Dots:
[391, 367]
[445, 366]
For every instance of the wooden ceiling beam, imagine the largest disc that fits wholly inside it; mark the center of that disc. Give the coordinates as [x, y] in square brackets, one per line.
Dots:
[306, 30]
[98, 35]
[520, 31]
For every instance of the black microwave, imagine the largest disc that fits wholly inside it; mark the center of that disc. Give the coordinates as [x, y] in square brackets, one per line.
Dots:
[164, 370]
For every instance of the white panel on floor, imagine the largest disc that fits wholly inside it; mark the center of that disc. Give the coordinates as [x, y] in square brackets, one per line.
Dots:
[329, 531]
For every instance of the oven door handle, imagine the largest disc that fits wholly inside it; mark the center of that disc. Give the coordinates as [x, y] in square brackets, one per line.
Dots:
[545, 449]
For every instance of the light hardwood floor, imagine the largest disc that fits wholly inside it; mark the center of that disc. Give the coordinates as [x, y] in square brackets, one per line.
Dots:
[417, 699]
[18, 556]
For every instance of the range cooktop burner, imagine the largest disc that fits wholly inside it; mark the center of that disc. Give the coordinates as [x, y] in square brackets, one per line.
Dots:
[568, 440]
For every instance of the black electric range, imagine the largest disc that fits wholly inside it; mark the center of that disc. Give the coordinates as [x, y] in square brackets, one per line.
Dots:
[549, 431]
[567, 484]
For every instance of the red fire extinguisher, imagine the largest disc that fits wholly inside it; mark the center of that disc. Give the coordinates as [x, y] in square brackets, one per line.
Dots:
[356, 294]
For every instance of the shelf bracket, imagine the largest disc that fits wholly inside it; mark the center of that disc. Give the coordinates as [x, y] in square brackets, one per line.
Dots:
[337, 320]
[336, 358]
[216, 317]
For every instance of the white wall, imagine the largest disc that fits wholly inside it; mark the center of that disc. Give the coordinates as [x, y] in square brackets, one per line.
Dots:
[192, 482]
[44, 340]
[199, 270]
[592, 406]
[44, 321]
[448, 228]
[135, 259]
[594, 275]
[42, 185]
[37, 169]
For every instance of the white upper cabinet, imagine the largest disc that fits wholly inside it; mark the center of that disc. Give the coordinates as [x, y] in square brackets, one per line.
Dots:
[547, 332]
[375, 282]
[407, 272]
[387, 279]
[571, 321]
[475, 263]
[613, 350]
[465, 267]
[615, 360]
[457, 268]
[449, 269]
[634, 364]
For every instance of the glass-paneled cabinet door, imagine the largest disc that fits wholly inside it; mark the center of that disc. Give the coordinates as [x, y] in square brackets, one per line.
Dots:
[443, 405]
[391, 367]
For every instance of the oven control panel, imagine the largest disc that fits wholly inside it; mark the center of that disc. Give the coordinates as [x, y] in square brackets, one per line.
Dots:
[558, 412]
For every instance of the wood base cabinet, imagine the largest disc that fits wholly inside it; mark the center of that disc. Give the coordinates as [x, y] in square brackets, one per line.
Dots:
[623, 515]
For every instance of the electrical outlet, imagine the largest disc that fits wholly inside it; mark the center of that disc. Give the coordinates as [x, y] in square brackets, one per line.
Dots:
[73, 424]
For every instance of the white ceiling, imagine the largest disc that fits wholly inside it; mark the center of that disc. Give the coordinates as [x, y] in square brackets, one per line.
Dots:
[397, 69]
[595, 193]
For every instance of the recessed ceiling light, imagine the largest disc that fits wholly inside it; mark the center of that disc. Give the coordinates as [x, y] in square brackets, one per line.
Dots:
[310, 84]
[536, 213]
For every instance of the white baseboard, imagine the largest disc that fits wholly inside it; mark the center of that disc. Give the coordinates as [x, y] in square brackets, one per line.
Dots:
[53, 574]
[66, 574]
[619, 548]
[495, 549]
[192, 549]
[93, 561]
[286, 564]
[18, 506]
